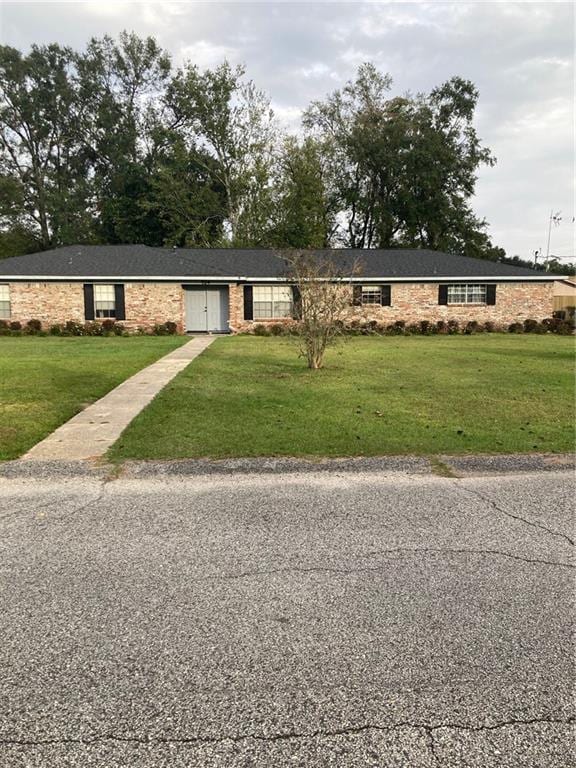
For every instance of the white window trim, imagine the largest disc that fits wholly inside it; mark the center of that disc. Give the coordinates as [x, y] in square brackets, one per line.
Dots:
[6, 300]
[374, 291]
[467, 289]
[274, 289]
[110, 310]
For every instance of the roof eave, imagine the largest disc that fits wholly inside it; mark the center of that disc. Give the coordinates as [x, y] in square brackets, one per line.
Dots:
[545, 277]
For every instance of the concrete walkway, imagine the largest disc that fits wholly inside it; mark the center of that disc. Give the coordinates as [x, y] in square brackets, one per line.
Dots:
[90, 433]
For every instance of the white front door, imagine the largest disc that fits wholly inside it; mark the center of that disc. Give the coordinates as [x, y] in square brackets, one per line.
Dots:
[207, 310]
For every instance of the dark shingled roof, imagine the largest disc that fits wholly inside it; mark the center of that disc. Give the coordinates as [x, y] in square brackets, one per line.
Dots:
[141, 261]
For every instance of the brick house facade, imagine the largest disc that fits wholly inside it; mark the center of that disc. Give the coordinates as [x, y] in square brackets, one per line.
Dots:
[84, 283]
[145, 303]
[413, 302]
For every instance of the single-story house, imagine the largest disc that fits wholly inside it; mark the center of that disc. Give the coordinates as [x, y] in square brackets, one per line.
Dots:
[227, 290]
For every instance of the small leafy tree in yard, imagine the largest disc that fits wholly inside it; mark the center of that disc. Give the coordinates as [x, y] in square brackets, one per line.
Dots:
[321, 297]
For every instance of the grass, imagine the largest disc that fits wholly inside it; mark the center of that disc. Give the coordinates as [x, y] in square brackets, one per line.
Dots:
[45, 381]
[248, 396]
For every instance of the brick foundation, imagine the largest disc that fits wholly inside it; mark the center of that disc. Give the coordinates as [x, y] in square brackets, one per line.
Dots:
[151, 303]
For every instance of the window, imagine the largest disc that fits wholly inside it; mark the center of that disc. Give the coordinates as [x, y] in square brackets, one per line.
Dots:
[4, 302]
[466, 294]
[272, 301]
[104, 301]
[371, 294]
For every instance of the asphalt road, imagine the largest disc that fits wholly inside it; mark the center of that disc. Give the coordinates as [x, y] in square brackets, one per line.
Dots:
[336, 619]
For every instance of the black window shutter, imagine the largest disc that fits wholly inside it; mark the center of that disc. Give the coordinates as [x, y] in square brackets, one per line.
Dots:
[442, 294]
[119, 299]
[297, 300]
[88, 301]
[490, 294]
[386, 294]
[357, 295]
[248, 303]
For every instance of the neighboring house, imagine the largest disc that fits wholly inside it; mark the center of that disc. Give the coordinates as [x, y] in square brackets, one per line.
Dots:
[222, 290]
[565, 295]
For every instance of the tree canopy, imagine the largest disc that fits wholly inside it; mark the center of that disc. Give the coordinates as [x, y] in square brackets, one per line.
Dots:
[113, 144]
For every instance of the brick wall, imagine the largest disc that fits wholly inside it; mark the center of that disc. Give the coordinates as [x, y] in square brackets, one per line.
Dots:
[150, 303]
[413, 302]
[48, 302]
[236, 308]
[146, 303]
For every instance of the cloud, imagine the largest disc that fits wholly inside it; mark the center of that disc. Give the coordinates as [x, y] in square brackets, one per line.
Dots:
[519, 55]
[106, 10]
[318, 69]
[289, 118]
[206, 55]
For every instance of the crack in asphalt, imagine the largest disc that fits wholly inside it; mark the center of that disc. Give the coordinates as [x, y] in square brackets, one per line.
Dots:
[84, 506]
[99, 496]
[502, 511]
[290, 735]
[432, 745]
[481, 552]
[376, 568]
[27, 507]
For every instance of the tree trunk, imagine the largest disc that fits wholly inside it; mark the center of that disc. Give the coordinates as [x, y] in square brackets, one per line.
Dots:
[41, 200]
[42, 215]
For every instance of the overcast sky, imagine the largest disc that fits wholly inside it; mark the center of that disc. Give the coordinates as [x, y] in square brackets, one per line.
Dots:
[519, 55]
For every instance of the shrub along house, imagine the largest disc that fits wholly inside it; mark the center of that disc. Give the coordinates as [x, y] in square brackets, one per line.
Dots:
[230, 290]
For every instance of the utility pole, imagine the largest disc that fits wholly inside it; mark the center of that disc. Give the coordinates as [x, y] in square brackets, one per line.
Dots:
[555, 218]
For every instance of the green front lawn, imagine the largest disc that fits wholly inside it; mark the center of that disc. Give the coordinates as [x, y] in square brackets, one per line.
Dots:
[45, 381]
[248, 396]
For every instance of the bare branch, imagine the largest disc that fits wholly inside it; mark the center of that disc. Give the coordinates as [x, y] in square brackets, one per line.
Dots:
[323, 292]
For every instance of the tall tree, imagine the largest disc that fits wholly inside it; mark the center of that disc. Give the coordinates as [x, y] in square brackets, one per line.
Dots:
[120, 86]
[41, 162]
[229, 119]
[441, 171]
[185, 195]
[348, 126]
[404, 168]
[304, 216]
